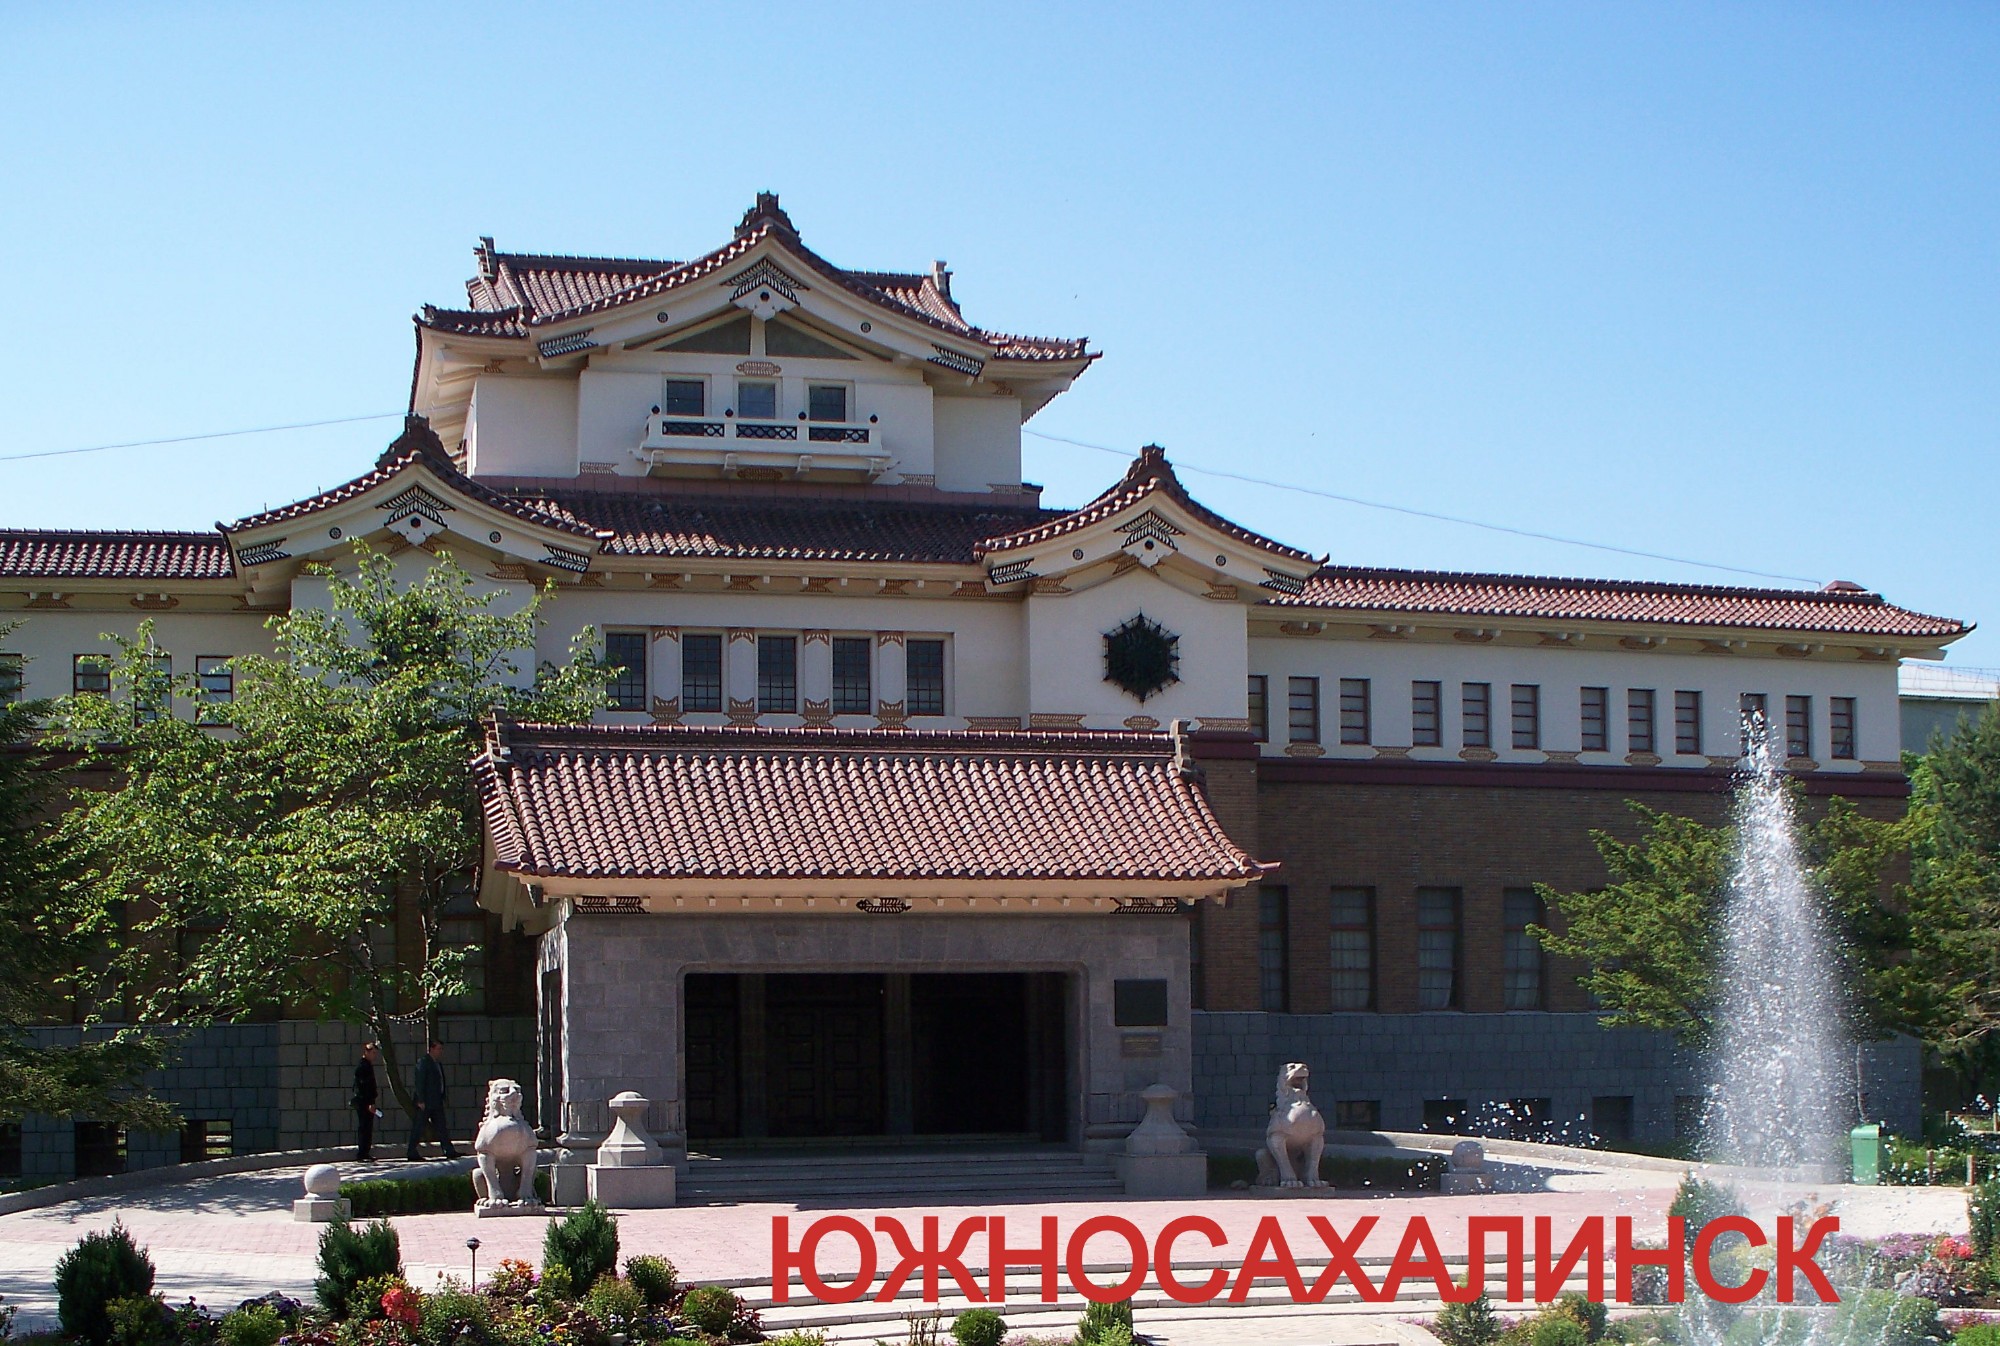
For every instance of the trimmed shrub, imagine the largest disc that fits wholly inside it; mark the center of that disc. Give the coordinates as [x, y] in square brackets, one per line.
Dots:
[1698, 1202]
[979, 1327]
[655, 1278]
[555, 1289]
[99, 1269]
[140, 1320]
[252, 1325]
[1100, 1319]
[1473, 1323]
[1587, 1313]
[1982, 1207]
[616, 1304]
[584, 1243]
[1979, 1334]
[446, 1317]
[348, 1257]
[711, 1308]
[1557, 1330]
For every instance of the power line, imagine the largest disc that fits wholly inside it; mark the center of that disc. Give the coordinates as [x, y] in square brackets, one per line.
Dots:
[189, 439]
[1181, 465]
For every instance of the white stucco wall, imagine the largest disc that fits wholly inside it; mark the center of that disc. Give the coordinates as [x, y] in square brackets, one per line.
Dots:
[1391, 666]
[1066, 652]
[522, 427]
[978, 442]
[50, 641]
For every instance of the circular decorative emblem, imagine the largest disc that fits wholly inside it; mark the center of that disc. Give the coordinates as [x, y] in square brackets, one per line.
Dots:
[1142, 657]
[661, 316]
[493, 536]
[333, 533]
[868, 327]
[1221, 560]
[1076, 553]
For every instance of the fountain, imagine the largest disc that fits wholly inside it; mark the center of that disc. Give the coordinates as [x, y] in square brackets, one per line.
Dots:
[1777, 1098]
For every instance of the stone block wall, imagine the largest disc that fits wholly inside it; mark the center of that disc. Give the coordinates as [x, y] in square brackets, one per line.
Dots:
[1401, 1060]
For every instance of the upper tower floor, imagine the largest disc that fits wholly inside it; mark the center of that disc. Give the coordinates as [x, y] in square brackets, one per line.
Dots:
[759, 361]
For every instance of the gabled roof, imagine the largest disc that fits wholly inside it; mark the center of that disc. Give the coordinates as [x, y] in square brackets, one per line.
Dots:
[1838, 609]
[62, 553]
[1150, 475]
[671, 802]
[516, 292]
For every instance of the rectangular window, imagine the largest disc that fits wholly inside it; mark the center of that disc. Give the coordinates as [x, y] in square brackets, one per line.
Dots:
[13, 678]
[100, 1149]
[90, 675]
[777, 675]
[1426, 714]
[1139, 1003]
[1521, 908]
[701, 671]
[1611, 1116]
[684, 397]
[215, 1139]
[1260, 707]
[1475, 714]
[1640, 706]
[1527, 1118]
[1840, 719]
[154, 695]
[1353, 948]
[1595, 709]
[1357, 1114]
[1754, 708]
[756, 400]
[1445, 1114]
[1687, 723]
[924, 676]
[10, 1149]
[1304, 710]
[1354, 710]
[1274, 972]
[1798, 726]
[217, 680]
[1437, 948]
[853, 691]
[626, 652]
[1197, 974]
[826, 402]
[1527, 715]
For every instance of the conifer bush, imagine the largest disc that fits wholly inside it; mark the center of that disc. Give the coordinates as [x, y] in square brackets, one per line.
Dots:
[348, 1257]
[979, 1327]
[99, 1269]
[584, 1243]
[654, 1277]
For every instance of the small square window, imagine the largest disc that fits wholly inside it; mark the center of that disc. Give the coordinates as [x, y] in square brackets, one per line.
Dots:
[100, 1149]
[1611, 1116]
[757, 401]
[1446, 1114]
[826, 402]
[217, 679]
[1357, 1114]
[1139, 1003]
[684, 397]
[853, 690]
[211, 1139]
[625, 651]
[90, 675]
[701, 671]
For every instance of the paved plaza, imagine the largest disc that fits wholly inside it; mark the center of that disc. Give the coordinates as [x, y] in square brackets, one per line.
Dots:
[225, 1239]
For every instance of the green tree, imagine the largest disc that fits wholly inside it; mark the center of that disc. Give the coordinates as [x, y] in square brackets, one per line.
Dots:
[270, 849]
[1649, 940]
[50, 933]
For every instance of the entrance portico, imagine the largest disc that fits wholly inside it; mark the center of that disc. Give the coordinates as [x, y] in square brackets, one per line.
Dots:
[821, 933]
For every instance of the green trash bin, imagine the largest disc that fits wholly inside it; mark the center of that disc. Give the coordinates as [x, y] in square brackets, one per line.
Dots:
[1867, 1143]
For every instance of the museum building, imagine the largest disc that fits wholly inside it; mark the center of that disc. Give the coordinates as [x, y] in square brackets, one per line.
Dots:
[924, 808]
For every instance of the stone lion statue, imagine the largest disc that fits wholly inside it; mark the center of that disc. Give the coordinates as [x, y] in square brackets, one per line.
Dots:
[505, 1147]
[1295, 1136]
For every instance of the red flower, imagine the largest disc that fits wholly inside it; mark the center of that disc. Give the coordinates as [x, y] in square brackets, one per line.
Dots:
[399, 1305]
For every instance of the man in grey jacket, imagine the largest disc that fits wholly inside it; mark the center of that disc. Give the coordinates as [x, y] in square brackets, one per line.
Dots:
[430, 1103]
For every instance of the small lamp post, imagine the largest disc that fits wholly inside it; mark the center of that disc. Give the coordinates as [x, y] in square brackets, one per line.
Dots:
[472, 1246]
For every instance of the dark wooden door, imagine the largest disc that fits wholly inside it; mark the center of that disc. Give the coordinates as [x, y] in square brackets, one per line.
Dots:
[714, 1097]
[823, 1040]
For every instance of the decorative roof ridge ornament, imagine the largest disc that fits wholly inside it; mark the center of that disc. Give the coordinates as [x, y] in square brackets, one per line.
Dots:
[765, 211]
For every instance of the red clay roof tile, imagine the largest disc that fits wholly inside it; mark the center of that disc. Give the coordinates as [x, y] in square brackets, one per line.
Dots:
[61, 553]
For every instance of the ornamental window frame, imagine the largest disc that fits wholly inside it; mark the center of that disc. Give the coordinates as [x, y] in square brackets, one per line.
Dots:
[699, 381]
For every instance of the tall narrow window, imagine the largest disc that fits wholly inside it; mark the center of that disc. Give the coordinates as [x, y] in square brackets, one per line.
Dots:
[1304, 710]
[1798, 726]
[217, 681]
[756, 400]
[1437, 948]
[701, 671]
[90, 675]
[853, 690]
[826, 402]
[924, 684]
[1426, 714]
[1475, 714]
[1354, 710]
[1521, 908]
[1596, 709]
[1840, 721]
[626, 652]
[1527, 715]
[1274, 973]
[1640, 709]
[1687, 723]
[777, 675]
[1754, 708]
[684, 397]
[13, 678]
[153, 697]
[1197, 964]
[1353, 948]
[1260, 707]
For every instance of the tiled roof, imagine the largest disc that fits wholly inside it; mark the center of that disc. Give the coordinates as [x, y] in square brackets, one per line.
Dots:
[418, 443]
[515, 292]
[1150, 473]
[680, 803]
[1835, 610]
[46, 553]
[777, 529]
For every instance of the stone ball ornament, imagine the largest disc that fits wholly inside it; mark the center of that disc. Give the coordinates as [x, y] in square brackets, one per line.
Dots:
[323, 1180]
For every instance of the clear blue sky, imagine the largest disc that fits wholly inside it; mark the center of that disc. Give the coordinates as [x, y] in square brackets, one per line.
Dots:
[1716, 281]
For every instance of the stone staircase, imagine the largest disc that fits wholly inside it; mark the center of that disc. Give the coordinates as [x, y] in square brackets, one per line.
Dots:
[892, 1177]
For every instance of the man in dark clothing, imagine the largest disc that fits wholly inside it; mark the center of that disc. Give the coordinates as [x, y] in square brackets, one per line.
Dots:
[365, 1111]
[430, 1102]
